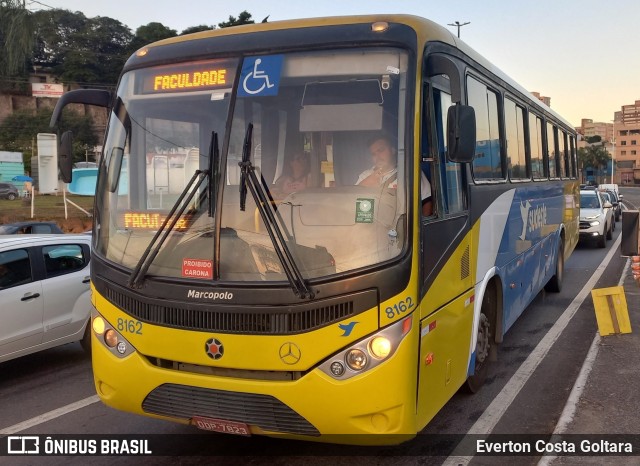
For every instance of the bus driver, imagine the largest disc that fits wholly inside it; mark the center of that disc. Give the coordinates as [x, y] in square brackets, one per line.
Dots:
[384, 157]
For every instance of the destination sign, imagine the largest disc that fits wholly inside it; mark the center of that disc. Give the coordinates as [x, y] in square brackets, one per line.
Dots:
[192, 77]
[149, 221]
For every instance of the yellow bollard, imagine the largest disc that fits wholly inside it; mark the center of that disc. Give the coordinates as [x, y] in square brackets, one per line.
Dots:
[611, 310]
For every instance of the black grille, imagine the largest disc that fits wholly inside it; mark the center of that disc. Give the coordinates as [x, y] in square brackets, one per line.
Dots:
[258, 320]
[263, 411]
[464, 264]
[584, 225]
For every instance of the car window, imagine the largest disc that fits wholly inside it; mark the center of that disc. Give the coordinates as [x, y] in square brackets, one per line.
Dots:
[63, 258]
[15, 268]
[603, 198]
[41, 229]
[589, 201]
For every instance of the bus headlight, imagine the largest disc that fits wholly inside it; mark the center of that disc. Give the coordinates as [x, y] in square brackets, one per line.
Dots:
[121, 347]
[337, 368]
[109, 337]
[98, 325]
[380, 347]
[367, 353]
[356, 359]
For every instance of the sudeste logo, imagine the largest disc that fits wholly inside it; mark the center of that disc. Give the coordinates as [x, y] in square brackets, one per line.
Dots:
[532, 218]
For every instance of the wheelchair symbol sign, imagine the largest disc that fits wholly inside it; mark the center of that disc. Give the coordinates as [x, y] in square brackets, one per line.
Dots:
[260, 76]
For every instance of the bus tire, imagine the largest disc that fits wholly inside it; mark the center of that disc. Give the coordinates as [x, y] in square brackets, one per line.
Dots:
[485, 341]
[86, 338]
[554, 284]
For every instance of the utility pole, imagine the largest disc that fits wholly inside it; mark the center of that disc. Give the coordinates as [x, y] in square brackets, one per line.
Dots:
[458, 24]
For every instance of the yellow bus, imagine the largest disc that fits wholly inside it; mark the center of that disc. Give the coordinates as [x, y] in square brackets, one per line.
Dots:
[320, 228]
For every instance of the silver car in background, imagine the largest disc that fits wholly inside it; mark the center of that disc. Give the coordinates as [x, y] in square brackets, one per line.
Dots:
[596, 217]
[44, 292]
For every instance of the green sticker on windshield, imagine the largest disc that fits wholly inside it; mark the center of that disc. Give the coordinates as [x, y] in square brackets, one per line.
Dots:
[364, 210]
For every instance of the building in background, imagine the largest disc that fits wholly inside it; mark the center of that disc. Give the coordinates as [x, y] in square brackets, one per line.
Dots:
[589, 128]
[543, 99]
[12, 166]
[596, 133]
[627, 144]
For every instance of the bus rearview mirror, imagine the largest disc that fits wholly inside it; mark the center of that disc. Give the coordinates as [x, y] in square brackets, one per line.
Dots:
[65, 156]
[115, 165]
[461, 133]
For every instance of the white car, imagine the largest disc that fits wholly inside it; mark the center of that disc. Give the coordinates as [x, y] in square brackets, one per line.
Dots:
[596, 217]
[44, 292]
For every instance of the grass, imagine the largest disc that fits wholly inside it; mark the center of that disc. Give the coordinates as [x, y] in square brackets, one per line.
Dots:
[49, 208]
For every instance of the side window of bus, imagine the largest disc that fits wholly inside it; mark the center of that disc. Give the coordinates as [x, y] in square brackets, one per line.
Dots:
[564, 150]
[572, 157]
[535, 144]
[487, 164]
[448, 188]
[552, 151]
[560, 153]
[514, 127]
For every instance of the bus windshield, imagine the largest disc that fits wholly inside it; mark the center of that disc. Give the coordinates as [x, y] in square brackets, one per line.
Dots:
[328, 147]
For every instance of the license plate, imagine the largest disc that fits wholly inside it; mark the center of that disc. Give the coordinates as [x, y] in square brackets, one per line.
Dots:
[221, 425]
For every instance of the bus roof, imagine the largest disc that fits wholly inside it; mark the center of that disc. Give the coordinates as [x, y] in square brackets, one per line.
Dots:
[426, 31]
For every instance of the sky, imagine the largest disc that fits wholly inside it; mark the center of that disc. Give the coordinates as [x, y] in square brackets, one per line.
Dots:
[580, 53]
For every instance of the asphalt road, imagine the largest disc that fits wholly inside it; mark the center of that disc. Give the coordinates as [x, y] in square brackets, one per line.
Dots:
[544, 368]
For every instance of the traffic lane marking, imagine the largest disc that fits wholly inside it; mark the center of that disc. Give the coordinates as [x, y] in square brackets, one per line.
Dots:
[46, 417]
[569, 411]
[494, 412]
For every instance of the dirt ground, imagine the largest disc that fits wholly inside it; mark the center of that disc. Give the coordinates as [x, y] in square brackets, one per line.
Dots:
[50, 208]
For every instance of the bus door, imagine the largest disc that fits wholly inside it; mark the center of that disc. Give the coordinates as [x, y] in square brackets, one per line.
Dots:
[446, 309]
[445, 242]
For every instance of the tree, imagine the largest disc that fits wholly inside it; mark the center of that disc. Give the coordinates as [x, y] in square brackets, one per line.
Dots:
[112, 41]
[200, 28]
[57, 34]
[19, 130]
[149, 33]
[243, 18]
[593, 139]
[80, 49]
[595, 156]
[16, 41]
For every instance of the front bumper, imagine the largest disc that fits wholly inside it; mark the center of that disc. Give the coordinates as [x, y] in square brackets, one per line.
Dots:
[375, 407]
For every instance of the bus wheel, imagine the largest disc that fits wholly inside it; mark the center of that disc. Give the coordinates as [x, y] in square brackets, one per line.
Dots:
[555, 283]
[86, 338]
[486, 327]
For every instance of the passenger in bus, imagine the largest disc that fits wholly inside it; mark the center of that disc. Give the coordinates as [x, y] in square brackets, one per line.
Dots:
[296, 176]
[384, 171]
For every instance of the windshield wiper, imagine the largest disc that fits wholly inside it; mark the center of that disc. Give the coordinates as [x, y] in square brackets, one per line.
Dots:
[249, 180]
[148, 256]
[214, 162]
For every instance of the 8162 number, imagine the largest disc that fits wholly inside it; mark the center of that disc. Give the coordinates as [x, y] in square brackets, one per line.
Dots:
[399, 308]
[130, 326]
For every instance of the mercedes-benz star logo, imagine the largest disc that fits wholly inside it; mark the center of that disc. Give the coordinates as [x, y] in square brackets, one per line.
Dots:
[290, 353]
